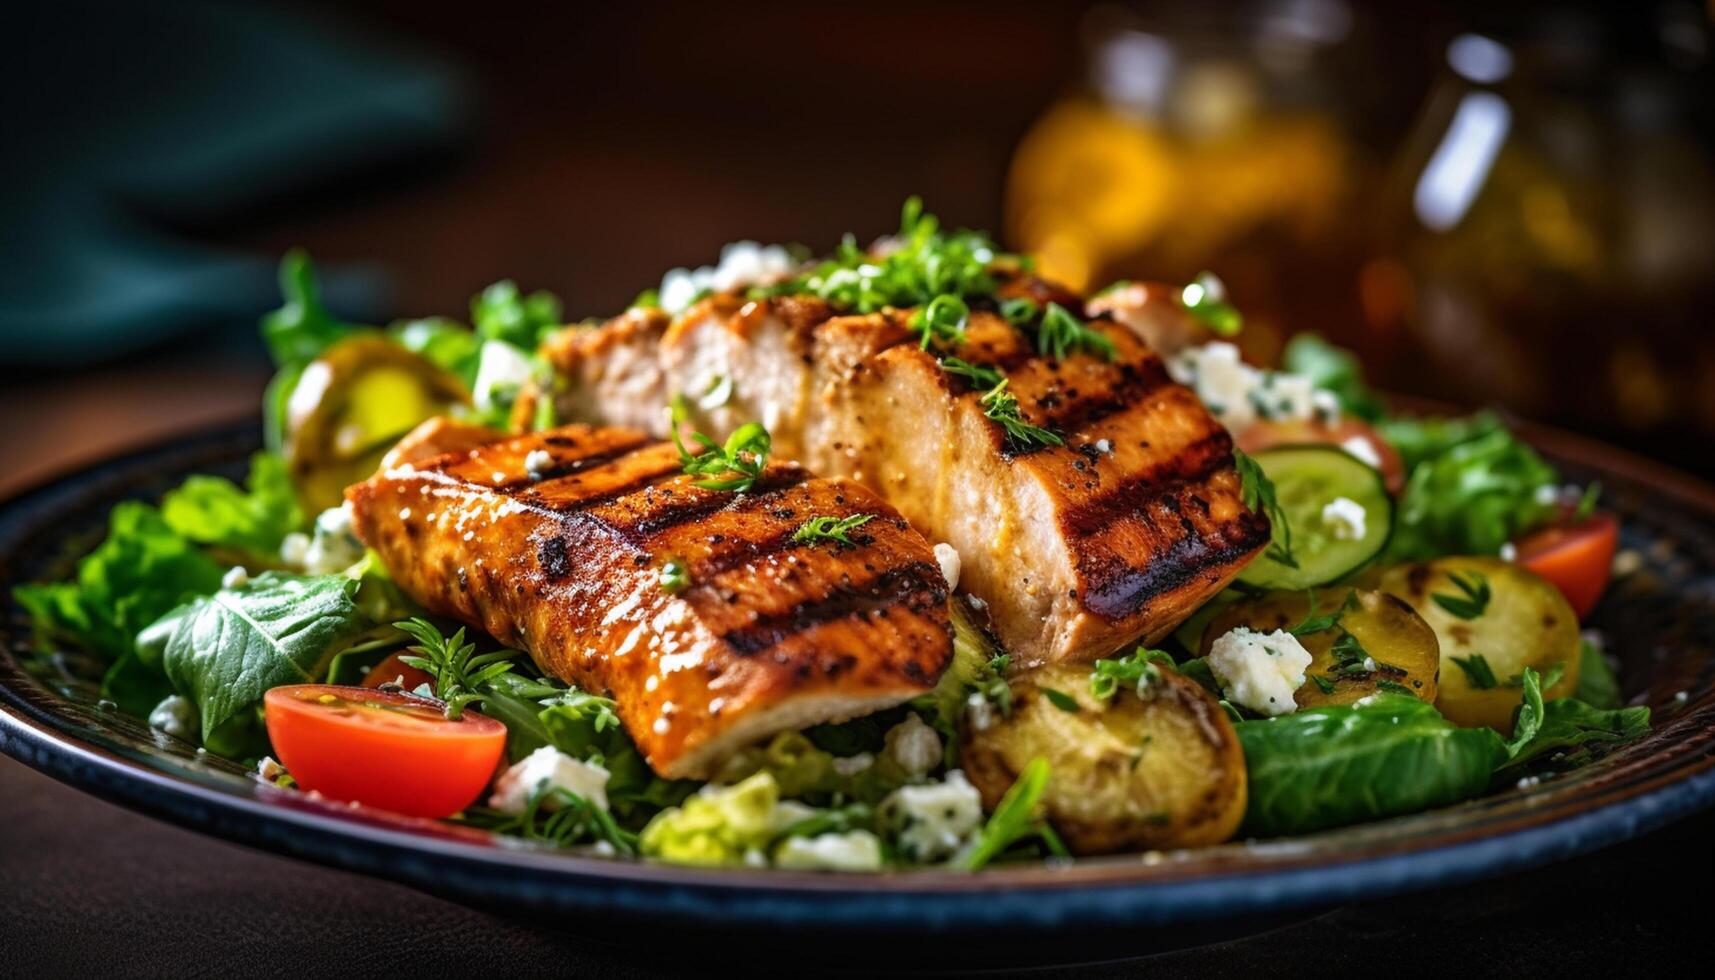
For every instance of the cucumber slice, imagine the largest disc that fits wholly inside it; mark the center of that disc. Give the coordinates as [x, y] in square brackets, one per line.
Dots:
[1306, 480]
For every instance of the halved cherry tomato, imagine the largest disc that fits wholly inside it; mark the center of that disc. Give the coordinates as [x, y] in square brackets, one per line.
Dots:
[393, 670]
[1267, 434]
[1578, 558]
[394, 751]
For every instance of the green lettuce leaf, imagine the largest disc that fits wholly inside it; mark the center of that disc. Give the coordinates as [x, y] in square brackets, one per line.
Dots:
[1388, 755]
[501, 312]
[213, 510]
[137, 574]
[302, 327]
[1333, 369]
[1472, 487]
[226, 650]
[1597, 684]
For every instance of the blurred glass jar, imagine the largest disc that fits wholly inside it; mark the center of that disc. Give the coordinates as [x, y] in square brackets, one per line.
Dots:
[1546, 239]
[1201, 139]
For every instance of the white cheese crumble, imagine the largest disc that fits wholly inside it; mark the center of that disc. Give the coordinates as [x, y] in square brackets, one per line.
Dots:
[915, 746]
[858, 850]
[1344, 519]
[933, 821]
[236, 577]
[548, 765]
[268, 769]
[741, 264]
[979, 711]
[501, 370]
[948, 558]
[537, 462]
[334, 548]
[851, 765]
[1260, 670]
[1363, 451]
[1238, 394]
[1509, 552]
[176, 716]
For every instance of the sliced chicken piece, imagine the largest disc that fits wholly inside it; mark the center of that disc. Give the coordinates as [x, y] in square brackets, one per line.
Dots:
[1077, 549]
[563, 557]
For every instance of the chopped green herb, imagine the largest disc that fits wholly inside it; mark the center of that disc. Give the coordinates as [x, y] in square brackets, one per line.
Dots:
[1258, 493]
[1477, 671]
[1014, 818]
[1394, 687]
[942, 321]
[1473, 601]
[1060, 699]
[979, 375]
[675, 576]
[1060, 333]
[1001, 406]
[1323, 684]
[1131, 670]
[1315, 622]
[454, 664]
[1019, 310]
[735, 466]
[924, 263]
[830, 529]
[1206, 299]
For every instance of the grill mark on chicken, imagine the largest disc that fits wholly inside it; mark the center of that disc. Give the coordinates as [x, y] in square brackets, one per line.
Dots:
[1135, 383]
[918, 586]
[561, 468]
[1192, 465]
[1117, 588]
[682, 509]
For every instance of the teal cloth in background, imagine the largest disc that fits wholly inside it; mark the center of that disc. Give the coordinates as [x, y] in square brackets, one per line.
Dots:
[126, 123]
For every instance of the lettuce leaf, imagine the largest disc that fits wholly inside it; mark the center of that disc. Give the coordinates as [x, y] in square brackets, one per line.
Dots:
[1333, 369]
[302, 327]
[1472, 487]
[212, 510]
[501, 312]
[137, 574]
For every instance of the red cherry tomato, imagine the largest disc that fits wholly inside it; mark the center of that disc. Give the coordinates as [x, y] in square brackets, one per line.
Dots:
[1266, 434]
[1578, 558]
[394, 670]
[389, 750]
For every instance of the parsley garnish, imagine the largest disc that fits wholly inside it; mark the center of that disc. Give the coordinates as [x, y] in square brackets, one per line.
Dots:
[1475, 599]
[453, 663]
[1060, 333]
[979, 375]
[1317, 623]
[1477, 671]
[735, 466]
[1136, 669]
[1001, 406]
[1206, 299]
[830, 528]
[1060, 699]
[675, 576]
[1257, 491]
[924, 263]
[942, 321]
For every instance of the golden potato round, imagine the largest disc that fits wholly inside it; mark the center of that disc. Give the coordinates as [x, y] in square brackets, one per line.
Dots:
[1160, 771]
[1403, 646]
[1526, 623]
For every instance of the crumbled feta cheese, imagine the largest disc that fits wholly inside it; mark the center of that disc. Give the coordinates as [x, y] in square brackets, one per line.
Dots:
[1104, 446]
[236, 577]
[1260, 670]
[293, 548]
[979, 711]
[176, 716]
[1547, 494]
[269, 770]
[949, 560]
[1344, 518]
[1238, 394]
[857, 850]
[1363, 451]
[915, 746]
[548, 765]
[334, 548]
[933, 821]
[501, 370]
[1509, 552]
[741, 264]
[537, 462]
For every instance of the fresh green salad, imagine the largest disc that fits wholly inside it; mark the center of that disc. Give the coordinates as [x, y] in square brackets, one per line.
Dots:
[1408, 637]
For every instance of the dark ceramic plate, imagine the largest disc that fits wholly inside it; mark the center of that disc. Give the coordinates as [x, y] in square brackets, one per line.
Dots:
[1660, 619]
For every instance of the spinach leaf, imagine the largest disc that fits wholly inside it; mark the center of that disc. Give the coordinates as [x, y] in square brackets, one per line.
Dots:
[302, 327]
[212, 510]
[1332, 369]
[136, 685]
[138, 573]
[1472, 487]
[1344, 764]
[226, 650]
[1568, 731]
[1597, 684]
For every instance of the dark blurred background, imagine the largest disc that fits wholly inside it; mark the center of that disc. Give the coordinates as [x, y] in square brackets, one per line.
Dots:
[1509, 204]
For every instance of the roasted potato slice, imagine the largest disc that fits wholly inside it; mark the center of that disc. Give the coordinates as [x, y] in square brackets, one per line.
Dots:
[1525, 622]
[1403, 646]
[351, 405]
[1155, 771]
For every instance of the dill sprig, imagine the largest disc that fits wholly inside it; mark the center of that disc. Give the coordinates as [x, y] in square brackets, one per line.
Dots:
[979, 375]
[1001, 406]
[735, 466]
[454, 664]
[555, 815]
[1060, 333]
[941, 321]
[1473, 600]
[921, 263]
[836, 529]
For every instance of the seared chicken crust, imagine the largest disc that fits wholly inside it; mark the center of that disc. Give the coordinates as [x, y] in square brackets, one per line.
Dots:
[555, 542]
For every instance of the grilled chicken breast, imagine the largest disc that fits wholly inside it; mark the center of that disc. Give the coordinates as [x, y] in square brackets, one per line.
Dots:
[1077, 549]
[555, 543]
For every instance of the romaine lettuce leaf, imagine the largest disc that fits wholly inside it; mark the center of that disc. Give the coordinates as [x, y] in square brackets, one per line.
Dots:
[213, 510]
